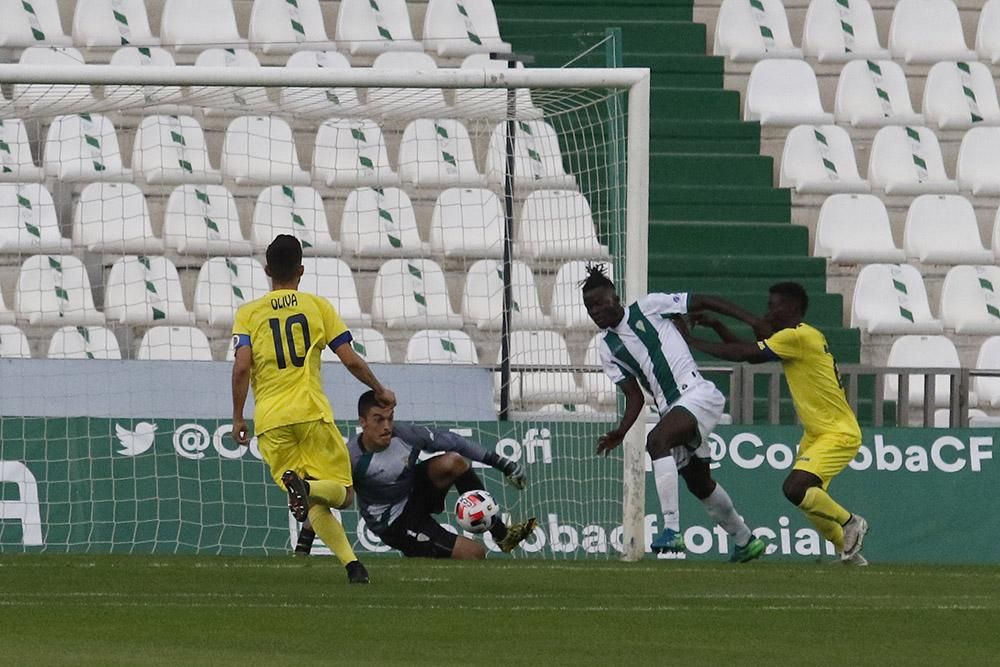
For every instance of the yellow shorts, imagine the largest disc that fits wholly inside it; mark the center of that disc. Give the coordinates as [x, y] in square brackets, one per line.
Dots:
[312, 449]
[826, 455]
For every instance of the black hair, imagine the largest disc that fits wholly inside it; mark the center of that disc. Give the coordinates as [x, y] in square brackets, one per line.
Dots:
[284, 257]
[366, 402]
[596, 278]
[794, 292]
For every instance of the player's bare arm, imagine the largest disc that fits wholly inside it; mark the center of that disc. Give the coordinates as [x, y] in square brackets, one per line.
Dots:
[760, 326]
[722, 331]
[634, 402]
[359, 368]
[241, 387]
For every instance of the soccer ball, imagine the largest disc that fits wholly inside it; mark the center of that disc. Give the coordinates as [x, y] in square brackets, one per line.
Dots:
[475, 511]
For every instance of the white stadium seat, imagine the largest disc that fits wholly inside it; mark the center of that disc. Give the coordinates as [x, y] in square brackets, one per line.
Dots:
[978, 166]
[83, 147]
[988, 32]
[380, 223]
[351, 153]
[331, 278]
[6, 315]
[926, 31]
[988, 388]
[261, 150]
[171, 150]
[538, 162]
[482, 298]
[174, 344]
[839, 32]
[540, 348]
[369, 27]
[557, 224]
[597, 384]
[492, 104]
[441, 346]
[568, 311]
[295, 210]
[13, 343]
[279, 26]
[144, 98]
[225, 284]
[145, 290]
[36, 23]
[41, 98]
[28, 221]
[784, 92]
[320, 102]
[747, 31]
[996, 235]
[467, 223]
[977, 419]
[229, 100]
[16, 163]
[407, 102]
[413, 294]
[113, 217]
[854, 229]
[922, 352]
[820, 158]
[369, 344]
[436, 153]
[873, 94]
[203, 220]
[960, 95]
[459, 28]
[942, 229]
[907, 160]
[111, 23]
[970, 300]
[55, 289]
[892, 299]
[84, 343]
[191, 25]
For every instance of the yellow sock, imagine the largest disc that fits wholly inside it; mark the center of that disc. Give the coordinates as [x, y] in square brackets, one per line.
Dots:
[331, 532]
[826, 514]
[830, 530]
[331, 494]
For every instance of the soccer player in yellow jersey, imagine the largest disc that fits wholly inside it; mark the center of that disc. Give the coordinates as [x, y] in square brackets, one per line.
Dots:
[831, 435]
[278, 340]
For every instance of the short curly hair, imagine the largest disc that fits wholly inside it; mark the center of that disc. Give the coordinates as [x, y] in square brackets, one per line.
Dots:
[596, 278]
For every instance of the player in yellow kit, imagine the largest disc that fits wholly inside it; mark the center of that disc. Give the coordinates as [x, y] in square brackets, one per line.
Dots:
[278, 340]
[831, 435]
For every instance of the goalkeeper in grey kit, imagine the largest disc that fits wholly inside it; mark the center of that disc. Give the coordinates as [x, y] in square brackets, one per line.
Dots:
[398, 494]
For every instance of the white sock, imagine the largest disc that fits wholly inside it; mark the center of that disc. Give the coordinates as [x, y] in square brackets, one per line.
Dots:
[665, 476]
[720, 507]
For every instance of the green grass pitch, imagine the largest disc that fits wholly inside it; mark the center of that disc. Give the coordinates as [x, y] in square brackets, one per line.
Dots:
[187, 610]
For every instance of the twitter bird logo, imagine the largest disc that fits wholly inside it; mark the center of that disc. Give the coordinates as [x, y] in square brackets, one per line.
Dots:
[138, 442]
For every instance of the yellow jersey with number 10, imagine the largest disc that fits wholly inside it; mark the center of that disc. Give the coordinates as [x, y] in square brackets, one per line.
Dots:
[287, 331]
[813, 381]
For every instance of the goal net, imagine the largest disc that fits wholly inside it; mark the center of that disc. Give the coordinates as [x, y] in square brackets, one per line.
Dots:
[449, 223]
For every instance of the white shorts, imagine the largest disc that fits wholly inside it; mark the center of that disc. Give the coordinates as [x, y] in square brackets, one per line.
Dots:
[706, 404]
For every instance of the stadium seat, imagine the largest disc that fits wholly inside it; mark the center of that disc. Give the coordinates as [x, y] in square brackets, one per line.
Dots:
[988, 388]
[977, 419]
[331, 278]
[230, 101]
[190, 25]
[203, 220]
[279, 26]
[114, 218]
[841, 31]
[538, 162]
[83, 147]
[491, 103]
[922, 352]
[406, 103]
[926, 31]
[891, 299]
[320, 102]
[16, 163]
[908, 161]
[174, 344]
[299, 211]
[171, 150]
[540, 348]
[380, 223]
[84, 343]
[988, 32]
[145, 290]
[459, 28]
[41, 98]
[467, 223]
[599, 387]
[568, 311]
[28, 221]
[960, 95]
[942, 229]
[873, 94]
[369, 344]
[746, 31]
[6, 315]
[970, 300]
[261, 150]
[370, 27]
[996, 235]
[441, 346]
[978, 166]
[784, 92]
[413, 294]
[111, 23]
[225, 284]
[352, 153]
[13, 343]
[437, 153]
[34, 23]
[557, 224]
[482, 299]
[55, 289]
[854, 229]
[820, 158]
[144, 98]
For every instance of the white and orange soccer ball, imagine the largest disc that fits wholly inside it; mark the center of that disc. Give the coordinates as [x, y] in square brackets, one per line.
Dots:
[475, 511]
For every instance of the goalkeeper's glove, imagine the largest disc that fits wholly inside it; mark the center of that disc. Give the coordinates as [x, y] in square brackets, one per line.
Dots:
[514, 472]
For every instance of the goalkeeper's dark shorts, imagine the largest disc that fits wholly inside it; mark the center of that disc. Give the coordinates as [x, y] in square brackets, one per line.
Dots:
[415, 532]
